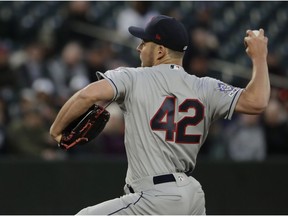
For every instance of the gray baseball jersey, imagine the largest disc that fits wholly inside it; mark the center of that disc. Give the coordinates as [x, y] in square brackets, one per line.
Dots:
[167, 116]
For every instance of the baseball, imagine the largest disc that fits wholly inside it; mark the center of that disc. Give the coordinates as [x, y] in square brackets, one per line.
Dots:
[256, 32]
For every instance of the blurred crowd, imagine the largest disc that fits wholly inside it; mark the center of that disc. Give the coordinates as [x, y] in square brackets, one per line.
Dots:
[39, 73]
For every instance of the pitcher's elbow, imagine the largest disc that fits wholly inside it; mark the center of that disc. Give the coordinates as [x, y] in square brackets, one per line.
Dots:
[52, 131]
[260, 107]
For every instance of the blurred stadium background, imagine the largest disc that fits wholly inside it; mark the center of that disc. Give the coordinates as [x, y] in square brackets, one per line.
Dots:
[50, 49]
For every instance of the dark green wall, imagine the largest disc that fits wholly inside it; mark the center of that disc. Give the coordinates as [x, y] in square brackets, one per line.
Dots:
[245, 188]
[64, 187]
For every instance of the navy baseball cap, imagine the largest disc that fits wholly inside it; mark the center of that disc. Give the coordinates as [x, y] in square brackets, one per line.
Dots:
[163, 30]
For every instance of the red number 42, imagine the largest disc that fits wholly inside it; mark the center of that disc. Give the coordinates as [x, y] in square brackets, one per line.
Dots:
[163, 120]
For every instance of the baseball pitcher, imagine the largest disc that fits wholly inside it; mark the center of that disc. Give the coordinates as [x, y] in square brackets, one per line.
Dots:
[167, 117]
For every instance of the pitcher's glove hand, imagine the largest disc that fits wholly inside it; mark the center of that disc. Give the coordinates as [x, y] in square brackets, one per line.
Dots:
[85, 128]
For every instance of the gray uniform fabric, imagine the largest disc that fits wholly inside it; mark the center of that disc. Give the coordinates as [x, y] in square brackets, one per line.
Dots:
[167, 116]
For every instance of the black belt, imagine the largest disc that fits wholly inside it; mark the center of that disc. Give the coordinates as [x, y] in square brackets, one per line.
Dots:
[167, 178]
[163, 179]
[130, 189]
[159, 180]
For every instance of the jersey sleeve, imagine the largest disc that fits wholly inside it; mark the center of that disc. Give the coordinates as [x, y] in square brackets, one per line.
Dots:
[221, 98]
[120, 80]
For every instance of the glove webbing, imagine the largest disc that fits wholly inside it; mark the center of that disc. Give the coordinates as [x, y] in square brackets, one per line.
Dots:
[87, 126]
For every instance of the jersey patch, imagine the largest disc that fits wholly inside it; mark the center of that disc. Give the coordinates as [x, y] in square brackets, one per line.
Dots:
[227, 89]
[175, 67]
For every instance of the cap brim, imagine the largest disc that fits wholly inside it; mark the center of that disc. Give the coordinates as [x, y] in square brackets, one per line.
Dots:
[137, 32]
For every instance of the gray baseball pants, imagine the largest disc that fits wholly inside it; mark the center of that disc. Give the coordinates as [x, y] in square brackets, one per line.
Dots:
[171, 194]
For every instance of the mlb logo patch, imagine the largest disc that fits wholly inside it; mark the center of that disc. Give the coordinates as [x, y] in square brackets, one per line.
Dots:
[175, 67]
